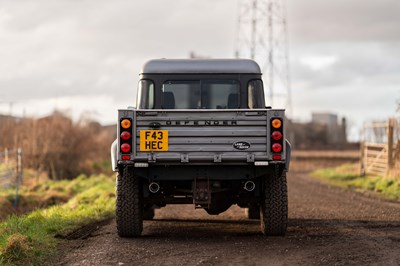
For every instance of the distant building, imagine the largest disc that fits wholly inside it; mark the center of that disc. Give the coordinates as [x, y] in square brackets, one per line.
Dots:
[336, 133]
[5, 120]
[322, 132]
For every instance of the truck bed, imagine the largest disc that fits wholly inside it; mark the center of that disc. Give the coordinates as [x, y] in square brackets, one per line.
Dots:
[207, 136]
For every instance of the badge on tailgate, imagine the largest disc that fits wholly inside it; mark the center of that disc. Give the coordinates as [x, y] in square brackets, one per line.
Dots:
[153, 140]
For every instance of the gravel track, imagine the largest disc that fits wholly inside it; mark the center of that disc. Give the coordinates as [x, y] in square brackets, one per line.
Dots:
[327, 226]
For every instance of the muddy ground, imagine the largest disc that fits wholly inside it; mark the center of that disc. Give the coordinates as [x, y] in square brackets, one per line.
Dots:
[327, 226]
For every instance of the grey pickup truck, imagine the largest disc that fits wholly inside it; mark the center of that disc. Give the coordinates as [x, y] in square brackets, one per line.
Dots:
[201, 134]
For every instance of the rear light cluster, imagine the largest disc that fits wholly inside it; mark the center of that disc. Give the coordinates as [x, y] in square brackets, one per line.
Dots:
[125, 138]
[276, 138]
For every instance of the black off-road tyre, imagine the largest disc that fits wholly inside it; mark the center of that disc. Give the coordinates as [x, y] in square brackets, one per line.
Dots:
[129, 209]
[253, 212]
[274, 205]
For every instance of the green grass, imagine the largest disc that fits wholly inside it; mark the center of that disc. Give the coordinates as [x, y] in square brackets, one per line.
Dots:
[347, 176]
[46, 193]
[28, 239]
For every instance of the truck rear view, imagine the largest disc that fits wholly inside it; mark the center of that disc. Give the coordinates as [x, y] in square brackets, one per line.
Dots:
[201, 135]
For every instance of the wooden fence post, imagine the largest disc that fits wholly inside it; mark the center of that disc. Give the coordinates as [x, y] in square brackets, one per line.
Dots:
[390, 142]
[362, 158]
[20, 169]
[5, 156]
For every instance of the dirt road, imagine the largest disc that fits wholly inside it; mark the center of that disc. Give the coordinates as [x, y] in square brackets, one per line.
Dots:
[327, 226]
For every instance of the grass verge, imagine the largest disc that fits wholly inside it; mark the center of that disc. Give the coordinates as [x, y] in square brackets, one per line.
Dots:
[42, 194]
[28, 239]
[347, 176]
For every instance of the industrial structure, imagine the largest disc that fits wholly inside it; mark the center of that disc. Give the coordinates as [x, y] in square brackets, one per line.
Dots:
[262, 36]
[336, 132]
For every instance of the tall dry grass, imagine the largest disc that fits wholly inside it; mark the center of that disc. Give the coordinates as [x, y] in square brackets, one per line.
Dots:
[57, 145]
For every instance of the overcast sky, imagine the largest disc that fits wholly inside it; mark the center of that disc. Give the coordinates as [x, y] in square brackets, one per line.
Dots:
[81, 55]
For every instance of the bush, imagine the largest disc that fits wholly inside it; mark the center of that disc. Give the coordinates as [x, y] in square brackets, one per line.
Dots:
[59, 146]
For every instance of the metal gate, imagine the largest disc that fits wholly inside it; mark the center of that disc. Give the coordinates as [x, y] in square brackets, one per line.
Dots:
[377, 149]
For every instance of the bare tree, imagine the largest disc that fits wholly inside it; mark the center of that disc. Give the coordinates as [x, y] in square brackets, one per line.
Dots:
[57, 145]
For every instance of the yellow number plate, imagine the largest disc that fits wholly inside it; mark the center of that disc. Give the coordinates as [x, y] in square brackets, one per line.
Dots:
[153, 140]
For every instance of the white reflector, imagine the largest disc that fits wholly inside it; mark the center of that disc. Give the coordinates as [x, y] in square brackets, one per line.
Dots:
[141, 165]
[261, 163]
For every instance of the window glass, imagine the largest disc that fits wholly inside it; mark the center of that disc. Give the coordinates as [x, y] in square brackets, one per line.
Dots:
[256, 94]
[222, 94]
[204, 94]
[145, 98]
[181, 95]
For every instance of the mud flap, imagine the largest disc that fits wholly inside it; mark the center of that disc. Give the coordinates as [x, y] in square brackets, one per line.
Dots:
[288, 153]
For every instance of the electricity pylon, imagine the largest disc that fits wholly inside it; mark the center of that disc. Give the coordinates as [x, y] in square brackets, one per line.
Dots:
[262, 36]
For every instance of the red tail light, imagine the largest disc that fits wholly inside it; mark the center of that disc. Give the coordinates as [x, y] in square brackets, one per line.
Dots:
[276, 135]
[125, 135]
[276, 147]
[125, 147]
[126, 157]
[276, 157]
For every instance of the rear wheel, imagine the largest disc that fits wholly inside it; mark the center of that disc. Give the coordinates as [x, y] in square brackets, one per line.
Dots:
[274, 204]
[129, 208]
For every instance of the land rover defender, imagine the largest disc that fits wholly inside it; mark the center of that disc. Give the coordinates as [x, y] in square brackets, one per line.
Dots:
[201, 134]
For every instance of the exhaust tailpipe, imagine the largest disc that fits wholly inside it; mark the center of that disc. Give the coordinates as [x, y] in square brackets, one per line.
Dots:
[249, 186]
[154, 187]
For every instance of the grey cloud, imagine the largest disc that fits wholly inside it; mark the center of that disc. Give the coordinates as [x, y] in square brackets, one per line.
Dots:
[355, 62]
[51, 43]
[343, 20]
[96, 47]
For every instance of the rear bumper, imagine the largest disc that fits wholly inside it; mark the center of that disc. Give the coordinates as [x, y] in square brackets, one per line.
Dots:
[211, 172]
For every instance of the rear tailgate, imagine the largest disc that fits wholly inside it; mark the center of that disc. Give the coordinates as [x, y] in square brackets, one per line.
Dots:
[203, 136]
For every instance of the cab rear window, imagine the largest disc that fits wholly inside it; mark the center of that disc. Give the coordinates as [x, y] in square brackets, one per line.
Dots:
[201, 94]
[145, 98]
[255, 92]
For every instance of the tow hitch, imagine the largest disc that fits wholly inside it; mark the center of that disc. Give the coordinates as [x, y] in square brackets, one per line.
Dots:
[201, 193]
